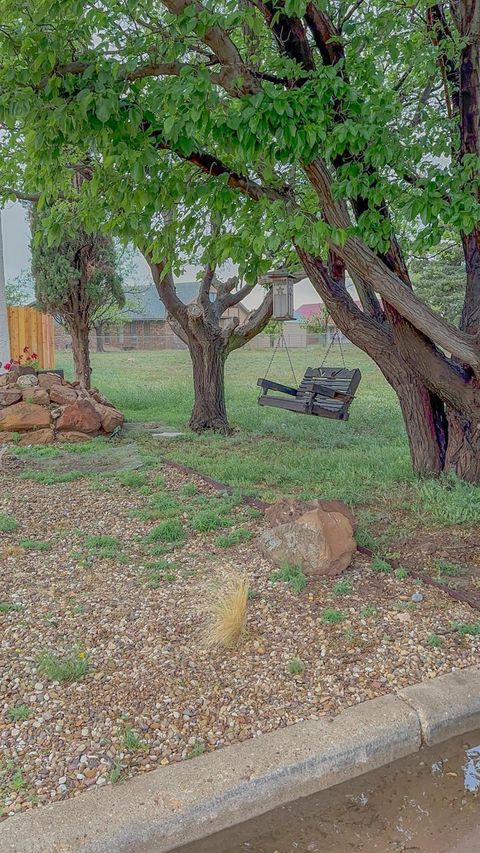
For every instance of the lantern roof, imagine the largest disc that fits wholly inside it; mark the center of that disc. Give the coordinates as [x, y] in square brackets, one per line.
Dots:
[282, 274]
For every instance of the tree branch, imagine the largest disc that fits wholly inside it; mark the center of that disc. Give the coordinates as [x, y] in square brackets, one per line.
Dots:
[253, 325]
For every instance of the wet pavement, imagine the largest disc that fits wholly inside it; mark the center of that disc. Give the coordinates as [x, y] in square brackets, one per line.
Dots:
[427, 803]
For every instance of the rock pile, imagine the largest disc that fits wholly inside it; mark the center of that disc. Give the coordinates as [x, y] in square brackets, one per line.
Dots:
[315, 535]
[46, 408]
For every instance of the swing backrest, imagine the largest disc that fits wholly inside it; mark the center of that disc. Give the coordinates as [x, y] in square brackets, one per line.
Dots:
[342, 382]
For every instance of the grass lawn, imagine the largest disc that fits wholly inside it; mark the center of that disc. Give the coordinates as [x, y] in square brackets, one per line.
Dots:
[273, 452]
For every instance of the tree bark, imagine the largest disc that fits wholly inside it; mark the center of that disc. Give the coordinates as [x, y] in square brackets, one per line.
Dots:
[81, 354]
[99, 338]
[208, 365]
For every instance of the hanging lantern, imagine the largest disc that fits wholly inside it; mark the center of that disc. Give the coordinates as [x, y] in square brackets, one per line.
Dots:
[282, 286]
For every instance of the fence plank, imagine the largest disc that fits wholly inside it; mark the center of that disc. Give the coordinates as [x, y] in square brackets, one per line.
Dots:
[29, 328]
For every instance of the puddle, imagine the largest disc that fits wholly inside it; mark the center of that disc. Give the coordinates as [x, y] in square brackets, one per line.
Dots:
[427, 803]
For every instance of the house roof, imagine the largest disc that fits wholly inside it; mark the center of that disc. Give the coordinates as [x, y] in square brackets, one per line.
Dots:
[309, 309]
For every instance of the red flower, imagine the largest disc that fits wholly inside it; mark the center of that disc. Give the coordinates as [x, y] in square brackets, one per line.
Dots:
[7, 365]
[25, 349]
[34, 355]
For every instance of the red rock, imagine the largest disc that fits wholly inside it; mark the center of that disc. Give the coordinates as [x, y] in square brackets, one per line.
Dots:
[80, 417]
[284, 511]
[111, 418]
[36, 395]
[63, 395]
[73, 436]
[24, 416]
[47, 380]
[37, 436]
[8, 396]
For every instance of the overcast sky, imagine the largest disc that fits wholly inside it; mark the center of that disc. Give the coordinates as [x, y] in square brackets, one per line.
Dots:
[16, 239]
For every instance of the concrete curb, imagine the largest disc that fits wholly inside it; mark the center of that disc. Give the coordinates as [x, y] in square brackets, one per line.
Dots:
[184, 802]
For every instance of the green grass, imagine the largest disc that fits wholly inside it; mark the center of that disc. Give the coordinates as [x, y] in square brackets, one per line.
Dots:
[343, 587]
[401, 573]
[209, 519]
[466, 628]
[381, 566]
[8, 524]
[368, 611]
[331, 616]
[35, 545]
[168, 531]
[197, 749]
[51, 478]
[132, 479]
[435, 641]
[447, 569]
[6, 607]
[63, 667]
[291, 575]
[449, 501]
[105, 547]
[20, 713]
[131, 741]
[228, 540]
[295, 666]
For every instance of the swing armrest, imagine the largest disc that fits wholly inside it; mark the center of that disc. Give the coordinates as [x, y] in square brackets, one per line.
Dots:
[268, 385]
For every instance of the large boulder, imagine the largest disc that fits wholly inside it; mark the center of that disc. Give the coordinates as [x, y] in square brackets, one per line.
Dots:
[284, 511]
[38, 436]
[319, 541]
[24, 416]
[80, 416]
[110, 418]
[48, 380]
[36, 395]
[8, 396]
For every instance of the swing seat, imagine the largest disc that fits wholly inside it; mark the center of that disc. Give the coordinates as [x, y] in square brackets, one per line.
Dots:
[326, 392]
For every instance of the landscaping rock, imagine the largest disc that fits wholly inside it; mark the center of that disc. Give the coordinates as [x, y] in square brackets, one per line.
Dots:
[27, 381]
[36, 395]
[3, 380]
[39, 436]
[284, 511]
[8, 396]
[24, 416]
[73, 436]
[47, 380]
[320, 542]
[80, 416]
[63, 395]
[111, 418]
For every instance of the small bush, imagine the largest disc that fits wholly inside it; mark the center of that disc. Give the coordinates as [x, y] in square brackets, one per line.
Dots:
[447, 569]
[401, 573]
[330, 616]
[295, 666]
[20, 713]
[226, 613]
[291, 575]
[381, 566]
[343, 587]
[434, 641]
[227, 540]
[64, 668]
[35, 545]
[168, 531]
[8, 524]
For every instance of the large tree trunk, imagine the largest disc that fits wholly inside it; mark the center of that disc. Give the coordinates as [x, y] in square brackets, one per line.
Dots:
[208, 364]
[99, 338]
[81, 355]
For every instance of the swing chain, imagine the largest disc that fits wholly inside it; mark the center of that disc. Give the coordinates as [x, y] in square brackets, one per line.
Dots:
[281, 338]
[336, 335]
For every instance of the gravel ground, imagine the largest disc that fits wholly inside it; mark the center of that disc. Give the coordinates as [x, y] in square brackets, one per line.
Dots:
[153, 694]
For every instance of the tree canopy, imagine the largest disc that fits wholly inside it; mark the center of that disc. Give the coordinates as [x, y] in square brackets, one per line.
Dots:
[331, 128]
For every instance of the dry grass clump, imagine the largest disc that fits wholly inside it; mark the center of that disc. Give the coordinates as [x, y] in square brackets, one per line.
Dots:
[226, 613]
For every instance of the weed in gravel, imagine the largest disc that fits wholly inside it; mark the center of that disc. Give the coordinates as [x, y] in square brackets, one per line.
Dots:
[381, 566]
[105, 547]
[401, 573]
[159, 481]
[189, 489]
[465, 628]
[17, 781]
[227, 540]
[435, 641]
[8, 524]
[251, 512]
[35, 545]
[63, 667]
[168, 531]
[115, 773]
[368, 611]
[131, 740]
[330, 616]
[295, 666]
[132, 479]
[209, 519]
[292, 575]
[197, 749]
[50, 478]
[166, 504]
[226, 613]
[447, 569]
[6, 607]
[20, 713]
[343, 587]
[158, 572]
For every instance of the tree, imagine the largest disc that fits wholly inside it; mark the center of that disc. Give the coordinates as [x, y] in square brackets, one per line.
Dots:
[77, 282]
[345, 125]
[316, 323]
[439, 278]
[20, 289]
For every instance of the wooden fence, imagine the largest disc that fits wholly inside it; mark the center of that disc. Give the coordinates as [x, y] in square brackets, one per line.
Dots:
[28, 328]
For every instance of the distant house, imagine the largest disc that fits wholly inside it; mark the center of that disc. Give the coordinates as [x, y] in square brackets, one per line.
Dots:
[147, 326]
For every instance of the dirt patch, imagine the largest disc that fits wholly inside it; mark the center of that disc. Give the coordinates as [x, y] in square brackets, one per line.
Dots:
[82, 574]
